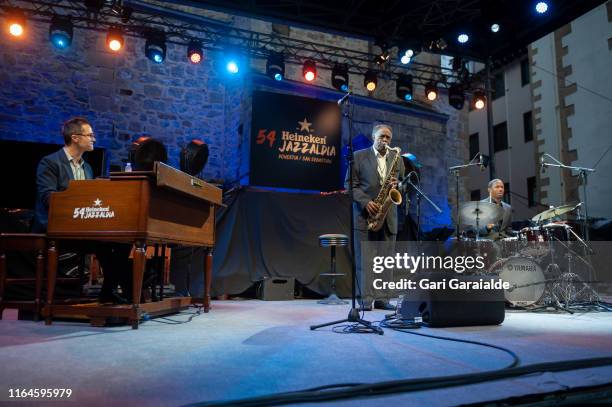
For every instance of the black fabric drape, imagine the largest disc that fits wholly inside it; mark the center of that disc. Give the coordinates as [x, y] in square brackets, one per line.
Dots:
[271, 234]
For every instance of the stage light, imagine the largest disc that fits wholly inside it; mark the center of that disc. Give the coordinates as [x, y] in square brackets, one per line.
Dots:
[60, 32]
[495, 28]
[403, 87]
[479, 99]
[431, 91]
[194, 52]
[541, 7]
[405, 59]
[16, 23]
[155, 47]
[456, 98]
[370, 81]
[340, 78]
[275, 66]
[463, 38]
[309, 70]
[114, 40]
[232, 66]
[193, 157]
[145, 151]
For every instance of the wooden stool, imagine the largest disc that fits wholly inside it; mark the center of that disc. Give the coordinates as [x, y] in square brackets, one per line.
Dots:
[333, 240]
[24, 242]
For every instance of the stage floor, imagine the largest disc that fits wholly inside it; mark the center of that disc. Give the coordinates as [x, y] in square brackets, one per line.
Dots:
[251, 348]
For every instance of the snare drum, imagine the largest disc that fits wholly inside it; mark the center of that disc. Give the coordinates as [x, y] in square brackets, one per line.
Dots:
[525, 277]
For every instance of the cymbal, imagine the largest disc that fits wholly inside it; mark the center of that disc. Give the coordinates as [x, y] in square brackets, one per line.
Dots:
[554, 212]
[484, 212]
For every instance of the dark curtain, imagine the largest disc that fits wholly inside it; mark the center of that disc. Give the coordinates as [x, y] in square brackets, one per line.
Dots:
[273, 234]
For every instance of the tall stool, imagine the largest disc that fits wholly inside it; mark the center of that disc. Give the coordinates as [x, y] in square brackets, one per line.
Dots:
[333, 240]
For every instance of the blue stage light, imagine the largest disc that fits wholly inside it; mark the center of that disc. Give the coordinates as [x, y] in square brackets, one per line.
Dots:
[541, 7]
[60, 32]
[463, 38]
[344, 88]
[232, 67]
[278, 77]
[155, 47]
[495, 28]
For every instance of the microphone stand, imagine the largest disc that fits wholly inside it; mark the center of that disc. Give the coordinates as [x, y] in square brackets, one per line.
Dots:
[353, 315]
[583, 173]
[455, 171]
[419, 195]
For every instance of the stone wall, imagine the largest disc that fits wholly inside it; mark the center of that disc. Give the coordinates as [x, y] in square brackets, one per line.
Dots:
[126, 96]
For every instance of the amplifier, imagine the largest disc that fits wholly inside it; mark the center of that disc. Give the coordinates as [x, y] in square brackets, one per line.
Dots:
[277, 289]
[444, 307]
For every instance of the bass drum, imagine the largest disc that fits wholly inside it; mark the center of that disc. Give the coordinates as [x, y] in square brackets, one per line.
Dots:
[526, 280]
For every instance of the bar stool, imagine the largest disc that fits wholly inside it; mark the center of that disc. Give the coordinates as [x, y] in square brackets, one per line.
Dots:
[333, 240]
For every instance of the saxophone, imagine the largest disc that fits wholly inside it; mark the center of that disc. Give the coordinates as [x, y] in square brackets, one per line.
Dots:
[386, 196]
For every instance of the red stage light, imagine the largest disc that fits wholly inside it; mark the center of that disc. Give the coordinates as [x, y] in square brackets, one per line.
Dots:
[309, 71]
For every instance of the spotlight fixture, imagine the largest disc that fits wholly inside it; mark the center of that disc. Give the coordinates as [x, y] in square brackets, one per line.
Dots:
[126, 14]
[145, 151]
[383, 58]
[340, 78]
[275, 66]
[155, 47]
[193, 157]
[114, 39]
[405, 59]
[60, 32]
[541, 7]
[309, 70]
[16, 23]
[456, 98]
[194, 52]
[403, 87]
[370, 81]
[479, 99]
[431, 91]
[495, 28]
[463, 38]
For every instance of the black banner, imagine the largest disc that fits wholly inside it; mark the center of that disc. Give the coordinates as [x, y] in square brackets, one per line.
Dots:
[295, 142]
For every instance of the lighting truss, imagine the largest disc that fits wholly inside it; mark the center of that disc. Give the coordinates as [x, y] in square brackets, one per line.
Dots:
[181, 28]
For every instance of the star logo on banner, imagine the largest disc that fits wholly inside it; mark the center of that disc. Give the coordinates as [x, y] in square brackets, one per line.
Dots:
[304, 125]
[97, 202]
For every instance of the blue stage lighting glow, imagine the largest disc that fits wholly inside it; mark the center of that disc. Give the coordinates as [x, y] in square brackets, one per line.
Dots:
[463, 38]
[278, 77]
[541, 7]
[60, 41]
[158, 58]
[232, 67]
[408, 97]
[344, 88]
[405, 59]
[495, 28]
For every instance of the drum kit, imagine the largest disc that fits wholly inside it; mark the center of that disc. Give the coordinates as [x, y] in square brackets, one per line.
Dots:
[539, 262]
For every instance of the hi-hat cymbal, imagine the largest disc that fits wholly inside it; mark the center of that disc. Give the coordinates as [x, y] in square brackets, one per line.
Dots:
[554, 212]
[479, 212]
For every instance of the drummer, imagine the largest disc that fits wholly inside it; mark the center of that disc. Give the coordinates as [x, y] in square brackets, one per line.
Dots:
[503, 227]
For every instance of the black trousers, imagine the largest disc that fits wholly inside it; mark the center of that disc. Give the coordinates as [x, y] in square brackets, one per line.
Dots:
[116, 266]
[369, 244]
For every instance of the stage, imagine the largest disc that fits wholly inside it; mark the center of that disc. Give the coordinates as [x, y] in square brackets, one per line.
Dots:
[252, 348]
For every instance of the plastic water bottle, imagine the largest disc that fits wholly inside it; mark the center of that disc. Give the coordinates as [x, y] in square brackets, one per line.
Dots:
[128, 167]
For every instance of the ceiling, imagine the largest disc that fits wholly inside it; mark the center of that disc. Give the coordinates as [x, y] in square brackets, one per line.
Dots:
[396, 22]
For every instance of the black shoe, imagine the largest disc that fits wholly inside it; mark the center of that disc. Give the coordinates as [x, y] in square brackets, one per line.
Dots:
[381, 304]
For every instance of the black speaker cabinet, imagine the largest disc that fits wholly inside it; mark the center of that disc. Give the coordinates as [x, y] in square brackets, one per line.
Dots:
[445, 307]
[277, 289]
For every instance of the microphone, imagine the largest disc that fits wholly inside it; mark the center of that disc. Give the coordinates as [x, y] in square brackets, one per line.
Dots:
[344, 98]
[481, 163]
[542, 164]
